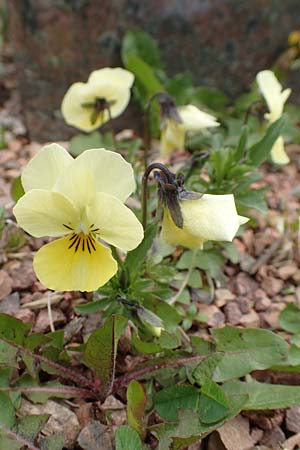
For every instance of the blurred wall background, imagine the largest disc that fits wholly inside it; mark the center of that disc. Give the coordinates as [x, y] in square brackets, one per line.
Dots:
[222, 42]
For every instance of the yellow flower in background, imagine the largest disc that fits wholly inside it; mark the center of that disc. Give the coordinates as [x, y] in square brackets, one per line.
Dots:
[106, 94]
[192, 119]
[294, 38]
[275, 98]
[209, 218]
[80, 201]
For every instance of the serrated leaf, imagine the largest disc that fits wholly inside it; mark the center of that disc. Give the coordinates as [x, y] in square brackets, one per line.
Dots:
[264, 395]
[289, 318]
[245, 350]
[136, 405]
[213, 402]
[101, 350]
[127, 438]
[168, 401]
[260, 151]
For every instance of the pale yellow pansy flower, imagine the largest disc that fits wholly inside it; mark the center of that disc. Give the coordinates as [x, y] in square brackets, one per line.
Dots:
[192, 119]
[80, 201]
[106, 94]
[209, 218]
[275, 98]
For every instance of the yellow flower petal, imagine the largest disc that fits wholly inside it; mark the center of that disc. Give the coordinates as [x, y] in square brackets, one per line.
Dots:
[97, 170]
[173, 235]
[194, 119]
[73, 112]
[113, 85]
[212, 217]
[45, 168]
[278, 153]
[271, 90]
[61, 268]
[116, 75]
[46, 213]
[172, 137]
[117, 224]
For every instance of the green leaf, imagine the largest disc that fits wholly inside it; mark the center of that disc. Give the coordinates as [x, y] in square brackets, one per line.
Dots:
[241, 147]
[94, 306]
[254, 198]
[245, 350]
[147, 348]
[264, 395]
[213, 402]
[214, 99]
[136, 258]
[289, 318]
[29, 426]
[141, 44]
[13, 330]
[17, 190]
[7, 411]
[145, 76]
[127, 438]
[53, 442]
[101, 350]
[83, 142]
[136, 405]
[168, 401]
[260, 151]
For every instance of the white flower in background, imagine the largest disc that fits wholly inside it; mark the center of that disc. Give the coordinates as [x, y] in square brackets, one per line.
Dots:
[275, 98]
[106, 94]
[192, 119]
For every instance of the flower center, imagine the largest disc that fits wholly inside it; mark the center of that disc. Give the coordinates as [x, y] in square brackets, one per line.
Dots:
[80, 240]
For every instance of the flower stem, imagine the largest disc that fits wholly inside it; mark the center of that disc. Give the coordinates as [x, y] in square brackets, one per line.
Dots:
[64, 371]
[111, 127]
[139, 373]
[186, 278]
[148, 170]
[147, 132]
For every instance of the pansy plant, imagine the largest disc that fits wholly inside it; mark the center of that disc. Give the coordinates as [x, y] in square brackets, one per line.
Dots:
[80, 201]
[106, 94]
[275, 98]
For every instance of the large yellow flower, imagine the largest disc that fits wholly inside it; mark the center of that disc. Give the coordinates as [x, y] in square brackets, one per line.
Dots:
[80, 201]
[89, 105]
[173, 132]
[209, 218]
[275, 98]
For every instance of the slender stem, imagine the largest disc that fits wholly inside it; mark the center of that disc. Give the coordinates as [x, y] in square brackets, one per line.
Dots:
[147, 133]
[64, 371]
[72, 391]
[186, 278]
[139, 373]
[148, 170]
[111, 127]
[50, 312]
[249, 110]
[24, 442]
